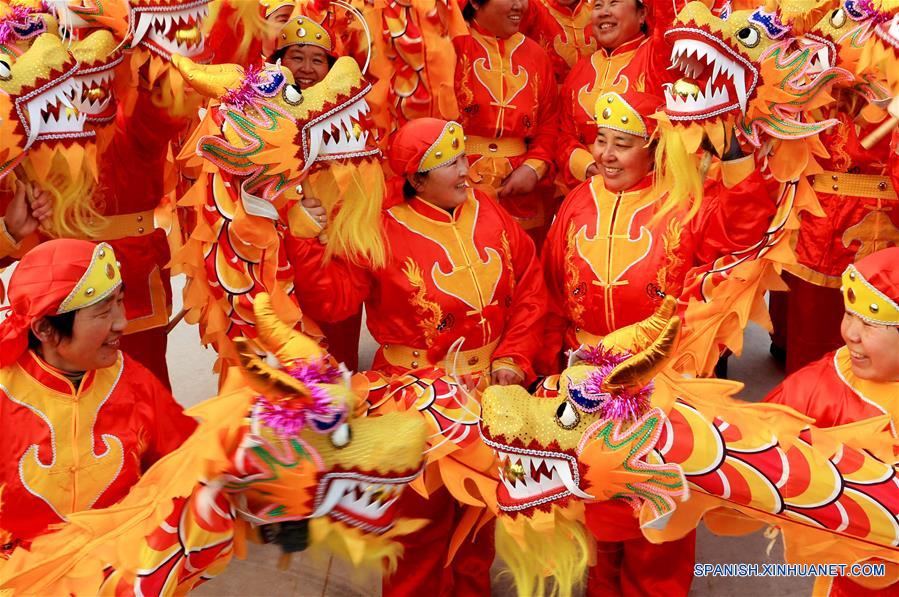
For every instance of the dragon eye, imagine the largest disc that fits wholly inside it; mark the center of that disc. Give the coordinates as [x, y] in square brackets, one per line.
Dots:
[567, 416]
[5, 71]
[749, 36]
[838, 18]
[342, 436]
[292, 95]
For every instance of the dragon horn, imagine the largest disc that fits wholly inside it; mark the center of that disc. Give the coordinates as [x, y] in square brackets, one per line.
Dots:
[210, 80]
[636, 337]
[265, 379]
[638, 371]
[280, 339]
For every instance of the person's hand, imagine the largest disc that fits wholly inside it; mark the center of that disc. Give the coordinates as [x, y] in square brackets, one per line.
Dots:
[319, 214]
[522, 180]
[505, 377]
[30, 208]
[592, 170]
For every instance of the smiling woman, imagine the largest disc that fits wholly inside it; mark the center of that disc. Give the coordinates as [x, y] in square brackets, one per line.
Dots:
[87, 420]
[506, 91]
[630, 56]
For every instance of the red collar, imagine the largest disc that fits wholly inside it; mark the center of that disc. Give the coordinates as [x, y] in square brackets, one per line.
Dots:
[52, 378]
[437, 214]
[628, 46]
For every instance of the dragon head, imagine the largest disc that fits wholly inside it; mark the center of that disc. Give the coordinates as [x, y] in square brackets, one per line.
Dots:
[302, 430]
[98, 54]
[582, 437]
[261, 110]
[742, 68]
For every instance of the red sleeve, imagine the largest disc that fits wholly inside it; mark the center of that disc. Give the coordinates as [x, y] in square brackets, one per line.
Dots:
[327, 292]
[549, 359]
[662, 15]
[569, 140]
[522, 334]
[734, 217]
[543, 145]
[894, 160]
[169, 426]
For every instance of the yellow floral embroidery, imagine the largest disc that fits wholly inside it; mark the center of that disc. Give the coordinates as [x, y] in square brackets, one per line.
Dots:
[573, 290]
[506, 247]
[429, 312]
[673, 262]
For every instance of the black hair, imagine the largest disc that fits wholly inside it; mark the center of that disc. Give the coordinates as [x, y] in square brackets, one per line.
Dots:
[62, 324]
[279, 55]
[408, 190]
[469, 10]
[644, 27]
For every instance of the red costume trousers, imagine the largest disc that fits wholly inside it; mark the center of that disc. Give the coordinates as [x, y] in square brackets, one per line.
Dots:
[421, 570]
[632, 566]
[808, 327]
[148, 348]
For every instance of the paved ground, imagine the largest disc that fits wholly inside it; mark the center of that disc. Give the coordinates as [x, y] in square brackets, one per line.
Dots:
[192, 378]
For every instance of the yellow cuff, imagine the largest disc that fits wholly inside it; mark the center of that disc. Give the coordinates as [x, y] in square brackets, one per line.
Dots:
[580, 160]
[538, 166]
[733, 172]
[8, 245]
[508, 364]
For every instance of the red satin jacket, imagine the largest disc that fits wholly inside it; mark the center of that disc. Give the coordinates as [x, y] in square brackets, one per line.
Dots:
[860, 203]
[67, 449]
[472, 273]
[564, 31]
[507, 98]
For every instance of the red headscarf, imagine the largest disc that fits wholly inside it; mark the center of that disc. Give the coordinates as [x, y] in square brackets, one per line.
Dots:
[411, 142]
[41, 284]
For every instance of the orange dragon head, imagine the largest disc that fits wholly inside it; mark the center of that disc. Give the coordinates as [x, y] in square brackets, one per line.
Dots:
[743, 69]
[280, 445]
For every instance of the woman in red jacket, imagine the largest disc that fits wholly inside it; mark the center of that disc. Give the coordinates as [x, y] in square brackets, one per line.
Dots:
[610, 258]
[506, 92]
[460, 269]
[860, 380]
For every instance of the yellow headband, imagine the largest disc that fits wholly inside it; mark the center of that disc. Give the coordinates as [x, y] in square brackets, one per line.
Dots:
[612, 112]
[100, 280]
[304, 31]
[867, 302]
[448, 146]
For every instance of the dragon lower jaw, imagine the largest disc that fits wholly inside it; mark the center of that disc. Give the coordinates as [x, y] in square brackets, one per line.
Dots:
[889, 32]
[529, 479]
[53, 114]
[362, 501]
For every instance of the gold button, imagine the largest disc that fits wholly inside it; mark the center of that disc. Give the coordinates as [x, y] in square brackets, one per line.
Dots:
[473, 360]
[606, 113]
[140, 218]
[874, 308]
[302, 32]
[140, 229]
[493, 147]
[318, 36]
[881, 186]
[102, 253]
[415, 363]
[624, 119]
[414, 353]
[386, 346]
[835, 187]
[850, 295]
[89, 292]
[834, 177]
[438, 154]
